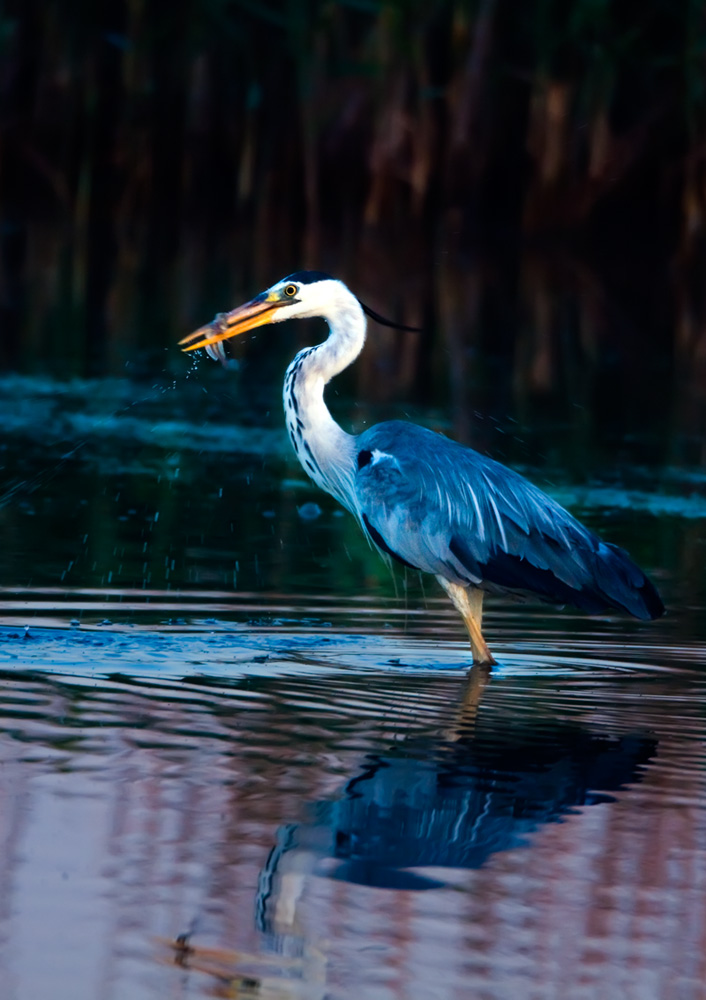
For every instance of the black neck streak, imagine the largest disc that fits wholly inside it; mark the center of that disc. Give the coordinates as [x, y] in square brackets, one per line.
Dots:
[293, 408]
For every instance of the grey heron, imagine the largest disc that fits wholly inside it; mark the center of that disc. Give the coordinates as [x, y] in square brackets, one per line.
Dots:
[422, 499]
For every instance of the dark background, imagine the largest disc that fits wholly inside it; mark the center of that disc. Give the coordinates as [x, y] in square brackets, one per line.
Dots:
[524, 178]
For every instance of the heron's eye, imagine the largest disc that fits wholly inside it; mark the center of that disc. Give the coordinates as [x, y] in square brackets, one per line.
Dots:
[290, 290]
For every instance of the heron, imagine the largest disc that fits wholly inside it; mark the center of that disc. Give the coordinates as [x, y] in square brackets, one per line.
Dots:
[423, 499]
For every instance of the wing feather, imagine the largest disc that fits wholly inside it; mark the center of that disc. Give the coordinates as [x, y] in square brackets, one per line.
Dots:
[448, 510]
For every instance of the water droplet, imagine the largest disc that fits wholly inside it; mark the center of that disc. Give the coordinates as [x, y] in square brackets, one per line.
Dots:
[309, 511]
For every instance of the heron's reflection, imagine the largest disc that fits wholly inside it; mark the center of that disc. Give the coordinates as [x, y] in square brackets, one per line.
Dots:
[448, 801]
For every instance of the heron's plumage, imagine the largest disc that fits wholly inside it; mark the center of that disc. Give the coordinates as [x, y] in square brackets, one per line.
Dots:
[449, 510]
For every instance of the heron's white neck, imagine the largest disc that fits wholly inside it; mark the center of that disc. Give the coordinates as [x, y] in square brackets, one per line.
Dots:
[324, 449]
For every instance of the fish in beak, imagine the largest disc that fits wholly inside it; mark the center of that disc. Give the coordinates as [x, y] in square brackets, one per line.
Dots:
[257, 312]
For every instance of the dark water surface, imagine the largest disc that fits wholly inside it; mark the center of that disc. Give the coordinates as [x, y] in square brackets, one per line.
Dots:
[239, 759]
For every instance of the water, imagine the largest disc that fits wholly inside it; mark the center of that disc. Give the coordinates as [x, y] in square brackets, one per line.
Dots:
[240, 759]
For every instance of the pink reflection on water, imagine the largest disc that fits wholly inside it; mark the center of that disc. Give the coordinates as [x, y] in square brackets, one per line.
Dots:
[131, 814]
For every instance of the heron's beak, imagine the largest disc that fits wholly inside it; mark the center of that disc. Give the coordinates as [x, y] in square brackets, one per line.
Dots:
[257, 312]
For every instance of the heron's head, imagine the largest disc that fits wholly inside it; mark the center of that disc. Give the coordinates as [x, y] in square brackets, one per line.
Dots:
[305, 293]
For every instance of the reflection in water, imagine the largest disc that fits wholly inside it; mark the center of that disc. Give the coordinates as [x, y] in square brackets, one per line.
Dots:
[143, 806]
[445, 802]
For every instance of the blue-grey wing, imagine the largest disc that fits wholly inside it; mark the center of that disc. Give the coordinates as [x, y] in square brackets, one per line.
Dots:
[445, 509]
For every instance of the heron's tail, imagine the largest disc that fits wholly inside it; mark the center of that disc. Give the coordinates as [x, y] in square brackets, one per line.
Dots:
[624, 585]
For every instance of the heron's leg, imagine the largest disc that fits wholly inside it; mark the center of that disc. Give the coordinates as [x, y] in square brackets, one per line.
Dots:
[468, 601]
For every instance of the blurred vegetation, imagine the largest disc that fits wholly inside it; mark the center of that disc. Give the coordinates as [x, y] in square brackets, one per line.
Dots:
[527, 178]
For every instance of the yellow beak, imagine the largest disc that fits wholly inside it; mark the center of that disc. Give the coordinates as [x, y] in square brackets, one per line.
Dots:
[257, 312]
